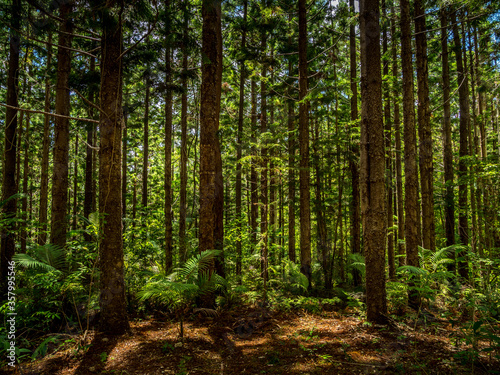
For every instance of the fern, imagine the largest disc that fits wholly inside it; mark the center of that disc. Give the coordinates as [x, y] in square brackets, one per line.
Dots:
[47, 258]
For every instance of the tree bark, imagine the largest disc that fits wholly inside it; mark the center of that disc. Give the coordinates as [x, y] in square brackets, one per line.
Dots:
[168, 143]
[44, 177]
[354, 154]
[59, 222]
[241, 106]
[211, 182]
[145, 160]
[292, 145]
[112, 297]
[424, 130]
[372, 182]
[305, 212]
[449, 200]
[89, 159]
[254, 192]
[463, 101]
[184, 157]
[410, 141]
[9, 183]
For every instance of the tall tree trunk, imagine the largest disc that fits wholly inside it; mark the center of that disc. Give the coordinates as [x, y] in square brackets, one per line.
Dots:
[397, 141]
[305, 212]
[449, 200]
[264, 200]
[272, 174]
[292, 145]
[59, 223]
[145, 160]
[26, 176]
[410, 140]
[184, 157]
[424, 130]
[211, 181]
[354, 154]
[75, 184]
[241, 107]
[125, 161]
[168, 143]
[388, 149]
[89, 158]
[44, 177]
[254, 192]
[463, 93]
[112, 298]
[372, 163]
[9, 183]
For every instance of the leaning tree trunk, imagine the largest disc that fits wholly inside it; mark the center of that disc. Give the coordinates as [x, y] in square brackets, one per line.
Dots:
[59, 223]
[372, 181]
[112, 298]
[9, 183]
[305, 211]
[211, 183]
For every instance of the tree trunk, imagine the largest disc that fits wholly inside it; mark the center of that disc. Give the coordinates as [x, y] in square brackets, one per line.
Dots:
[112, 298]
[388, 150]
[241, 107]
[397, 141]
[305, 212]
[264, 200]
[449, 200]
[125, 162]
[184, 157]
[89, 159]
[424, 130]
[354, 155]
[291, 162]
[59, 223]
[372, 182]
[145, 160]
[75, 184]
[26, 175]
[410, 140]
[168, 144]
[9, 183]
[211, 181]
[44, 177]
[463, 101]
[254, 192]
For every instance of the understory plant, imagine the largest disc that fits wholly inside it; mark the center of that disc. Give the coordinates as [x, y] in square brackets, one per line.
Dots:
[180, 290]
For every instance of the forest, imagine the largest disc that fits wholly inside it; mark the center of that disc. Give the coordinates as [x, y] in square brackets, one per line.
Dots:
[250, 187]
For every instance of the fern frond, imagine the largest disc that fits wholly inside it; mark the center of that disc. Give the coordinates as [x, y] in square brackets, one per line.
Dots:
[25, 260]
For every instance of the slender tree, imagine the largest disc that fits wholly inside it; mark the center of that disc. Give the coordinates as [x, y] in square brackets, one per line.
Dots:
[305, 211]
[9, 183]
[59, 222]
[112, 297]
[372, 182]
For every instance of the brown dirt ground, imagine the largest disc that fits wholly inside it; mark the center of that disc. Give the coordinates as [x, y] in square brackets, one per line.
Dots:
[258, 341]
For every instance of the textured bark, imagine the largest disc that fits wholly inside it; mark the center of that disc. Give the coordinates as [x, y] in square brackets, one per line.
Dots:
[211, 182]
[372, 182]
[410, 140]
[354, 154]
[388, 148]
[254, 193]
[264, 199]
[89, 159]
[112, 297]
[241, 106]
[59, 222]
[184, 156]
[449, 200]
[145, 155]
[305, 211]
[397, 140]
[463, 101]
[424, 130]
[168, 144]
[44, 177]
[272, 175]
[292, 146]
[75, 184]
[26, 176]
[9, 183]
[125, 162]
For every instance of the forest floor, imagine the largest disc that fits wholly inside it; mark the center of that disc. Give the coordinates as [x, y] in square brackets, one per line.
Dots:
[256, 340]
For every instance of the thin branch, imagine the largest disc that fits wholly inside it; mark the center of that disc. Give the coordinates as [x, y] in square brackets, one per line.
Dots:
[49, 114]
